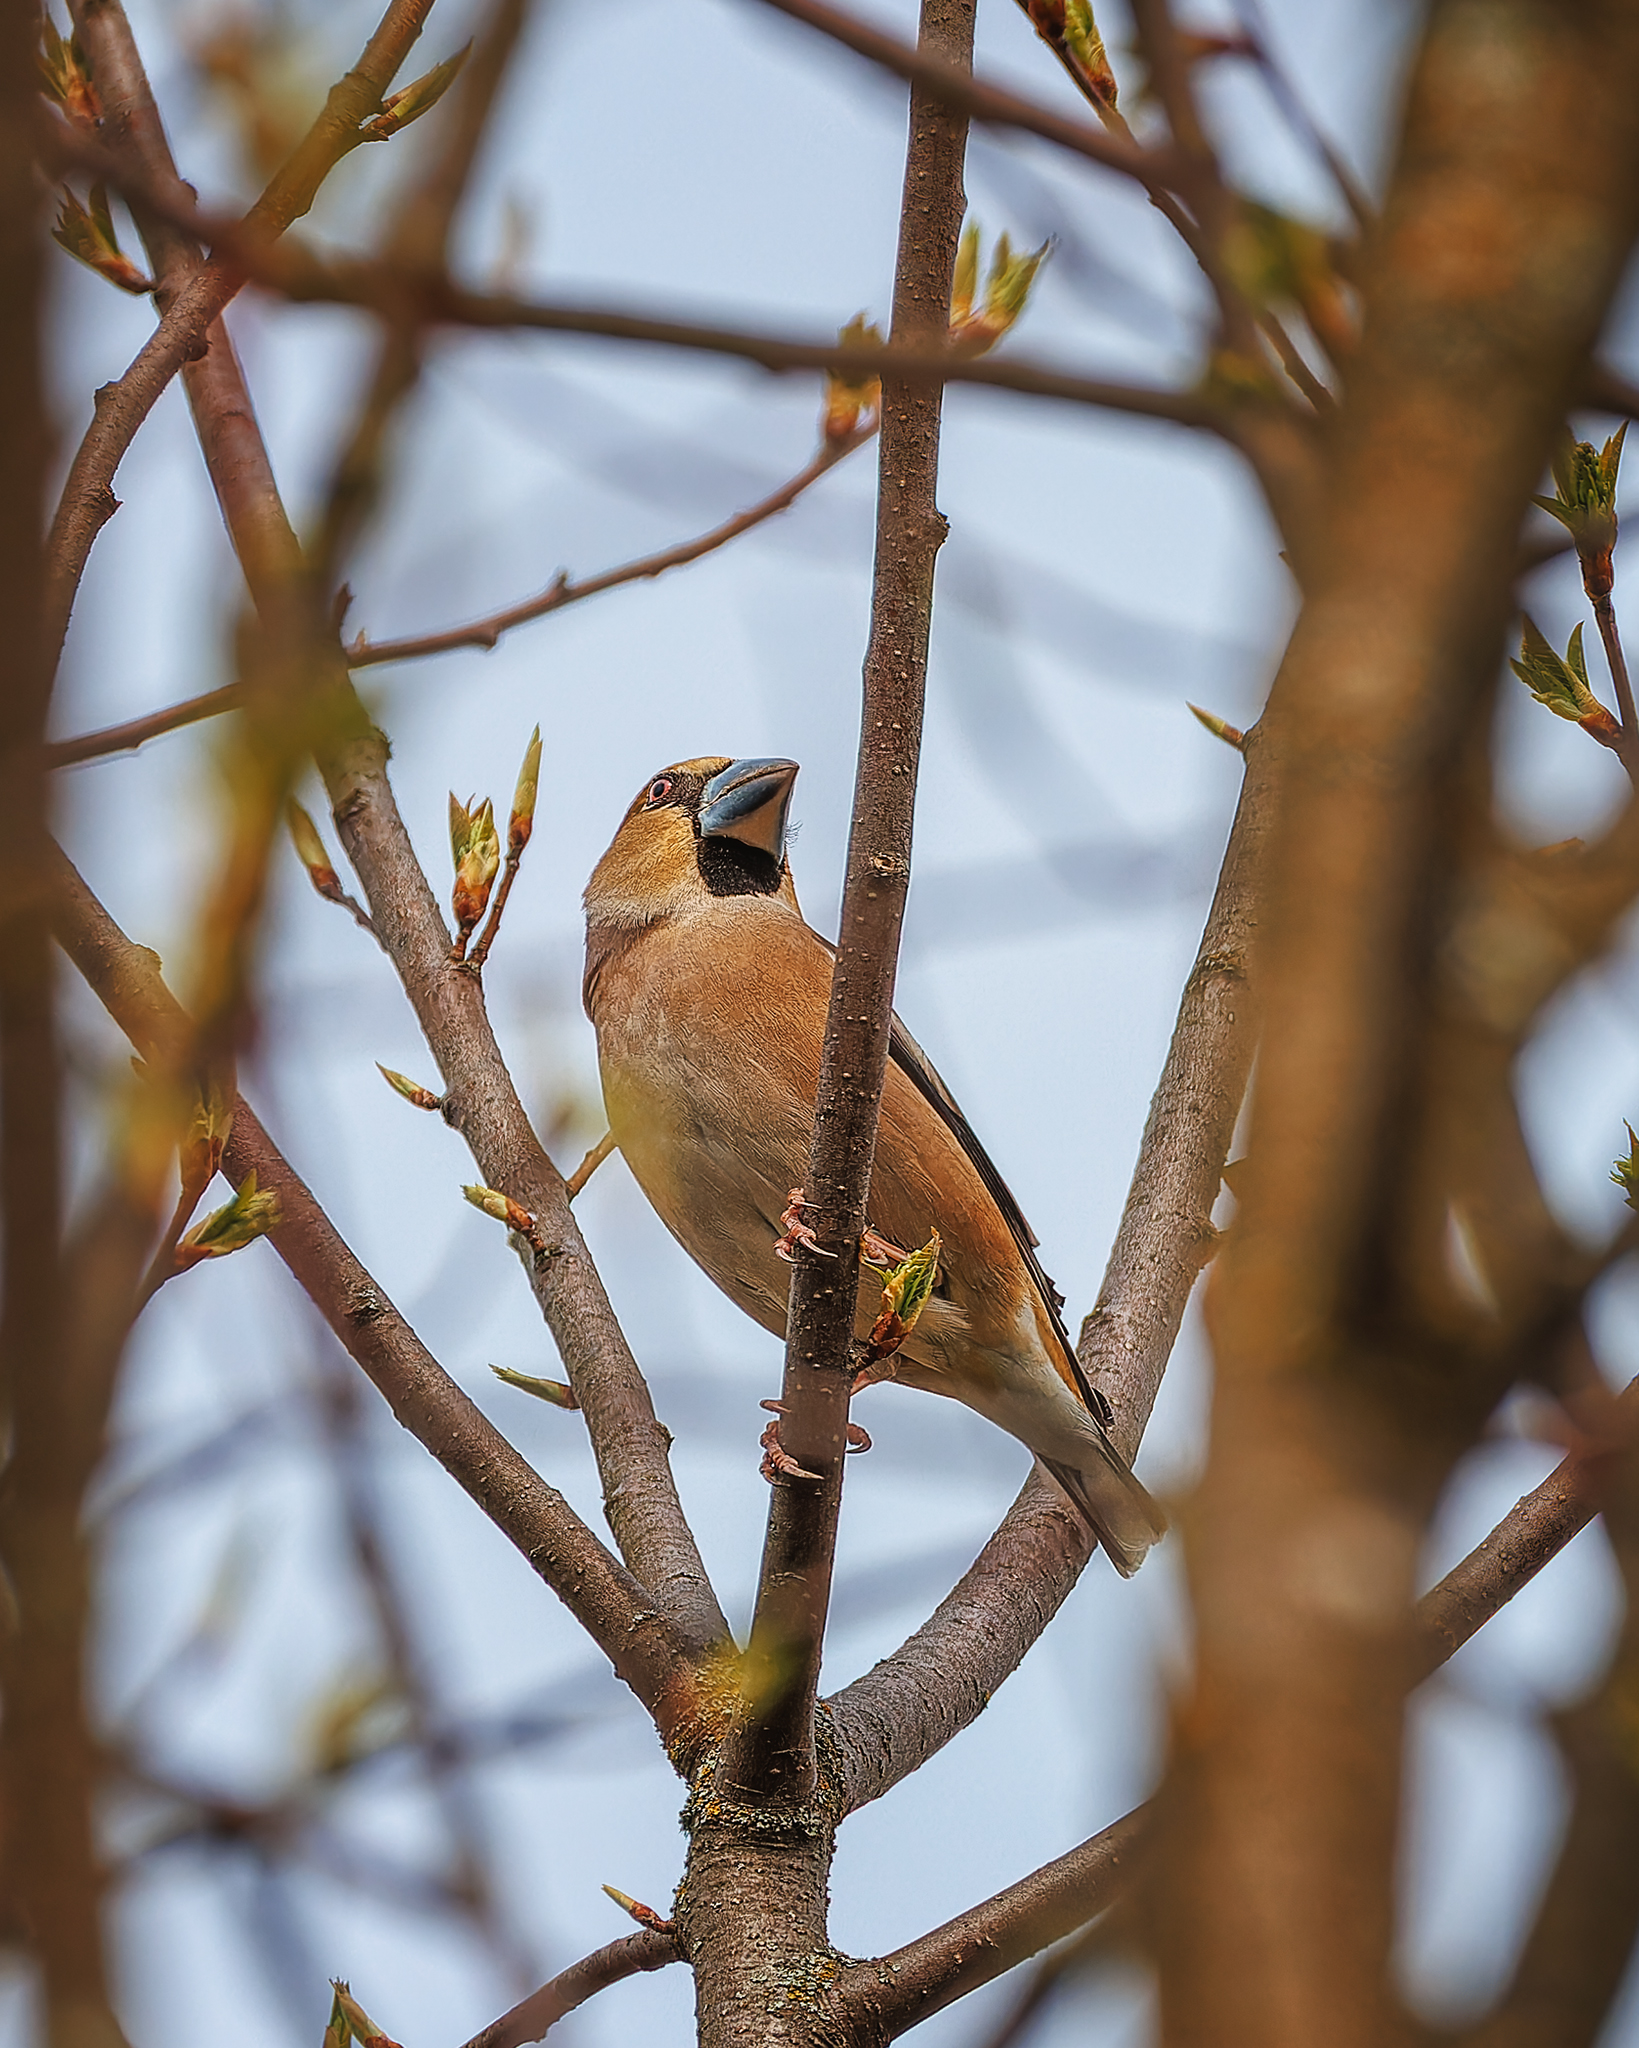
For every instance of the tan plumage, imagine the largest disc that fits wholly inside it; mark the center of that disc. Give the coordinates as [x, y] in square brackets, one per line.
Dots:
[708, 993]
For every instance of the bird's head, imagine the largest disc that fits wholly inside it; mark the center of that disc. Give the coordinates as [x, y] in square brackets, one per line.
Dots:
[696, 831]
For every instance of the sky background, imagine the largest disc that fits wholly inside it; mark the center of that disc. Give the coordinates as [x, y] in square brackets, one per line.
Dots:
[711, 157]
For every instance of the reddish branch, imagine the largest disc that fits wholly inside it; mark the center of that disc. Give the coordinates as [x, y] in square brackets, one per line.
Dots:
[529, 2020]
[629, 1442]
[616, 1612]
[772, 1755]
[184, 332]
[363, 653]
[484, 633]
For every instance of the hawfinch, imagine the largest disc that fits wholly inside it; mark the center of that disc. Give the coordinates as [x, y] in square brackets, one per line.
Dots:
[708, 993]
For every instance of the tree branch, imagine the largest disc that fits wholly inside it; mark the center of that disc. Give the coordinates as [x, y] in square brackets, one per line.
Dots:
[630, 1444]
[561, 592]
[609, 1604]
[184, 333]
[48, 1754]
[891, 1720]
[771, 1754]
[529, 2021]
[889, 1996]
[946, 84]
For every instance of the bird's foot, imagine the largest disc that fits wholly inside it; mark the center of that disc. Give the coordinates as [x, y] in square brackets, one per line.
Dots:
[797, 1232]
[876, 1251]
[778, 1462]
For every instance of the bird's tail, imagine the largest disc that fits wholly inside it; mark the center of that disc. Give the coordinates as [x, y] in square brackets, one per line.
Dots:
[1118, 1509]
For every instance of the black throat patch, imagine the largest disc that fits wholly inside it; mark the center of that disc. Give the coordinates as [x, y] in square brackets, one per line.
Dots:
[728, 867]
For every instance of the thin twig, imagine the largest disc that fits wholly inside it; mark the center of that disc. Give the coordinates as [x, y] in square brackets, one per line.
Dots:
[1289, 100]
[589, 1165]
[183, 335]
[1604, 611]
[484, 633]
[529, 2021]
[772, 1753]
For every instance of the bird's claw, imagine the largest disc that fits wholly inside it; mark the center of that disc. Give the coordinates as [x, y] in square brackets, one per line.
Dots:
[877, 1251]
[778, 1462]
[796, 1232]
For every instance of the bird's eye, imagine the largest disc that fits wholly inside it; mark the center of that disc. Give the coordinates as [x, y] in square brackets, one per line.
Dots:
[659, 790]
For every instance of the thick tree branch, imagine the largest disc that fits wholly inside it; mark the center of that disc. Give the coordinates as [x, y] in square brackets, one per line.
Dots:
[1063, 1896]
[530, 2019]
[891, 1720]
[772, 1754]
[48, 1757]
[610, 1605]
[630, 1444]
[1343, 1385]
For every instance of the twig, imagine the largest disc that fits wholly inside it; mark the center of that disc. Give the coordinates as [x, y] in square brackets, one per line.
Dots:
[581, 1981]
[629, 1442]
[120, 739]
[1287, 98]
[951, 85]
[614, 1610]
[1604, 611]
[1533, 1532]
[183, 335]
[305, 277]
[588, 1166]
[896, 1992]
[162, 1266]
[484, 633]
[772, 1754]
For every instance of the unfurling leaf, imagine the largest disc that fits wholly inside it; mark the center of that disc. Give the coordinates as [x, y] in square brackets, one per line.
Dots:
[1584, 503]
[848, 406]
[358, 2023]
[522, 821]
[421, 94]
[412, 1091]
[476, 848]
[1068, 29]
[1625, 1172]
[251, 1214]
[976, 325]
[1220, 728]
[88, 232]
[1562, 683]
[554, 1391]
[63, 66]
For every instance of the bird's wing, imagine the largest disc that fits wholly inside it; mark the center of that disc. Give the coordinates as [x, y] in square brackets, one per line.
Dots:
[920, 1071]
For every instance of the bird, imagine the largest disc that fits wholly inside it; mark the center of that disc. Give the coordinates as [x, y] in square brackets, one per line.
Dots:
[708, 992]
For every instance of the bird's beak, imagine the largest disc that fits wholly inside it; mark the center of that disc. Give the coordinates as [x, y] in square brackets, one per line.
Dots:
[747, 801]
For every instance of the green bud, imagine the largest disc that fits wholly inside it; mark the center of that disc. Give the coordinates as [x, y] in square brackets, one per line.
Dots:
[250, 1215]
[416, 99]
[554, 1391]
